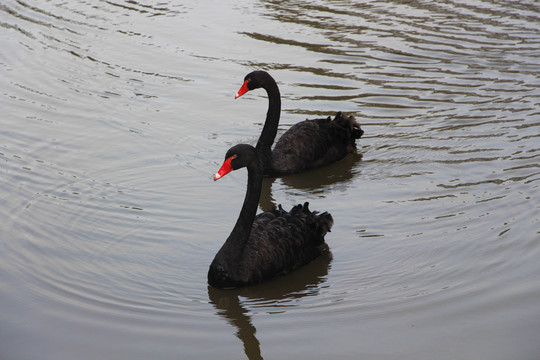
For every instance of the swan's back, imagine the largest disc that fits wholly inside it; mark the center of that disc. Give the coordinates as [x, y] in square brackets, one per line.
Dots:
[279, 243]
[314, 143]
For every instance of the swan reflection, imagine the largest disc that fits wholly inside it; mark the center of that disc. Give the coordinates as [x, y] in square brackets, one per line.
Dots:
[314, 182]
[275, 296]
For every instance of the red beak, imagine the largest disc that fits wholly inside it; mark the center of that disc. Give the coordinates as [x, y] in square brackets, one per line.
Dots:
[244, 89]
[225, 168]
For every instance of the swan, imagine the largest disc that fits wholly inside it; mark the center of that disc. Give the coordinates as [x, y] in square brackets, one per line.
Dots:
[273, 243]
[307, 144]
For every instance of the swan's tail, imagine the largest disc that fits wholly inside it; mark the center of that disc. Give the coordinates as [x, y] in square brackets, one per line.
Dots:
[325, 223]
[350, 123]
[321, 222]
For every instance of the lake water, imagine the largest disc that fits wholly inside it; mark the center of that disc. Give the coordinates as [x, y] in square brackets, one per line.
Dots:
[115, 115]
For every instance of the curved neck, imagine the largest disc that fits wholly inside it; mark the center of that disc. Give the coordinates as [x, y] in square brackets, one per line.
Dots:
[269, 131]
[235, 243]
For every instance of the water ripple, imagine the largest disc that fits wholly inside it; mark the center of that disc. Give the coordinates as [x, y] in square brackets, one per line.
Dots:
[115, 115]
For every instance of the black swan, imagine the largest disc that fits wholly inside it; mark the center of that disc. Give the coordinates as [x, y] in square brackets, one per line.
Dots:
[307, 144]
[275, 242]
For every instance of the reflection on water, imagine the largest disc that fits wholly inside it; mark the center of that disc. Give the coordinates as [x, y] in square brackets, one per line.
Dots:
[337, 175]
[317, 182]
[274, 296]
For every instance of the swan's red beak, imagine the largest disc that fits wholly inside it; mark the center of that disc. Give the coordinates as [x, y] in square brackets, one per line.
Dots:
[244, 89]
[225, 168]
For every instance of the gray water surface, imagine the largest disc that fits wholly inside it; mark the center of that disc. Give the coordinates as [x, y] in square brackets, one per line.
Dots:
[115, 115]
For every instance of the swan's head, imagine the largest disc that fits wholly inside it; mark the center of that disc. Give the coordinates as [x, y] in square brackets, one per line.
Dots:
[254, 80]
[237, 157]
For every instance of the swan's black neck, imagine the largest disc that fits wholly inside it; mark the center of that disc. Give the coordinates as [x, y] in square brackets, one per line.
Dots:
[269, 131]
[233, 247]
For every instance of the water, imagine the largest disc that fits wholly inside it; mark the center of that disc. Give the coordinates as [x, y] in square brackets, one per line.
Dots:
[116, 114]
